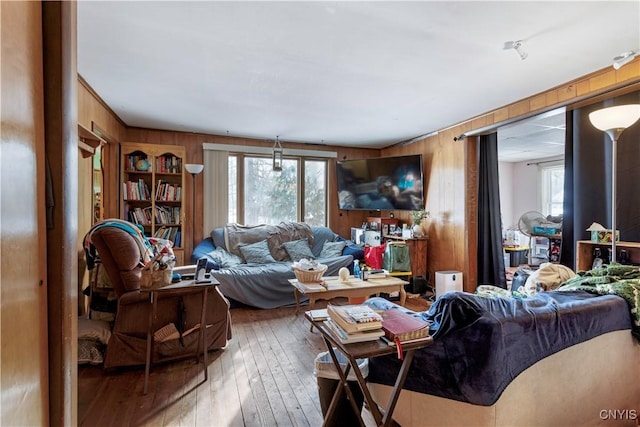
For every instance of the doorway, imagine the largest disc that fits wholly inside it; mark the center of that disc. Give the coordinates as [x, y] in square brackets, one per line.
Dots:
[531, 178]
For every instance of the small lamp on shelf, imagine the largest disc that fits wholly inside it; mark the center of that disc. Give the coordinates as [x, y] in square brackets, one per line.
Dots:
[613, 121]
[194, 169]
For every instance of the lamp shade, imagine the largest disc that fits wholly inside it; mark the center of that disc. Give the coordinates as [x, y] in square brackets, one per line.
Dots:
[193, 168]
[618, 117]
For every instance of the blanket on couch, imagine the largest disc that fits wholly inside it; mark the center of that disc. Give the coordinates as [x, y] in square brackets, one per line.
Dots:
[616, 279]
[481, 344]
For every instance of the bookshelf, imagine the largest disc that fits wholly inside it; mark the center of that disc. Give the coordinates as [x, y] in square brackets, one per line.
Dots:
[151, 190]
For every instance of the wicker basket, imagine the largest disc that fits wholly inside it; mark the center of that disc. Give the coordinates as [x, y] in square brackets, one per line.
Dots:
[310, 276]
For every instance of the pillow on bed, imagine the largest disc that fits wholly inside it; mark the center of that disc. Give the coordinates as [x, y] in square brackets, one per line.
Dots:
[257, 253]
[223, 258]
[298, 249]
[332, 249]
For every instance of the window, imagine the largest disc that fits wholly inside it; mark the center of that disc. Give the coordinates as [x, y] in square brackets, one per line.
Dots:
[260, 195]
[552, 188]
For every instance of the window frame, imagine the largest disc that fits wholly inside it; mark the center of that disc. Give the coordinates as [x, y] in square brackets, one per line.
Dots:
[544, 183]
[301, 189]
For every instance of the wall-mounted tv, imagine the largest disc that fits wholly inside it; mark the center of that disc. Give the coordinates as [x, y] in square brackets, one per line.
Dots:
[384, 183]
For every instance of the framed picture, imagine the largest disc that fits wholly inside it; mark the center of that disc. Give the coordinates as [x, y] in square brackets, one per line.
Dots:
[385, 229]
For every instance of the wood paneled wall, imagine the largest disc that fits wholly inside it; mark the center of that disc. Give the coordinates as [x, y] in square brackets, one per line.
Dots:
[451, 166]
[340, 221]
[24, 379]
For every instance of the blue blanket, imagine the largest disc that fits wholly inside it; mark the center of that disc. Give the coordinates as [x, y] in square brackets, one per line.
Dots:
[482, 344]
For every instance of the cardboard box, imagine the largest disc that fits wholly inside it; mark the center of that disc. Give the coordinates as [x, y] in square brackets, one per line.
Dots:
[603, 236]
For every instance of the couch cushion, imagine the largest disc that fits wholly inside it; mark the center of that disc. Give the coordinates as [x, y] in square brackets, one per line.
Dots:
[257, 253]
[237, 235]
[217, 236]
[332, 249]
[320, 235]
[298, 249]
[223, 258]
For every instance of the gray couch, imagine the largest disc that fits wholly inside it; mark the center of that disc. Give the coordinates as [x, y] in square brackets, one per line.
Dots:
[266, 285]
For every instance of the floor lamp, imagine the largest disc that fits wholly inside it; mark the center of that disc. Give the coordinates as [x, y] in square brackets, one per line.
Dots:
[193, 169]
[613, 121]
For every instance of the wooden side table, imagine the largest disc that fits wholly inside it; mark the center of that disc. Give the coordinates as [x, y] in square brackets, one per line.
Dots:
[362, 350]
[184, 287]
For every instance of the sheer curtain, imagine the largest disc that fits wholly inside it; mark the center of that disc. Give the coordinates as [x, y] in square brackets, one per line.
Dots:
[490, 253]
[216, 189]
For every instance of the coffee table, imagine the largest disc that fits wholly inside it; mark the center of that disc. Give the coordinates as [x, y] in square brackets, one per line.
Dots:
[351, 288]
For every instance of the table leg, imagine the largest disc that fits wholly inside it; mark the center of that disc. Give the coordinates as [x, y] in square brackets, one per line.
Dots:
[203, 334]
[403, 295]
[147, 365]
[343, 387]
[397, 388]
[296, 294]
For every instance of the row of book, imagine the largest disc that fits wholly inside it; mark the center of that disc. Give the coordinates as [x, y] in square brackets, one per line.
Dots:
[168, 164]
[360, 323]
[170, 233]
[168, 192]
[163, 215]
[136, 190]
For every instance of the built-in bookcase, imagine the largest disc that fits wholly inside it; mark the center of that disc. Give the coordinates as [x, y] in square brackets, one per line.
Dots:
[152, 190]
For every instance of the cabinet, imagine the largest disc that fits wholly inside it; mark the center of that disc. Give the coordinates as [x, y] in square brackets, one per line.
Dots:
[151, 191]
[584, 252]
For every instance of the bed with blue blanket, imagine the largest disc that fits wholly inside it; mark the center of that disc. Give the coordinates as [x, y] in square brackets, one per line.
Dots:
[558, 358]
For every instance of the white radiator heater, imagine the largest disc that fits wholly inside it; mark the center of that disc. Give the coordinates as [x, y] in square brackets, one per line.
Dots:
[447, 281]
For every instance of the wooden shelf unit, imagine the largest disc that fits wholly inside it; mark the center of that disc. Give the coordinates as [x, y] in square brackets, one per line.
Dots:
[584, 252]
[152, 190]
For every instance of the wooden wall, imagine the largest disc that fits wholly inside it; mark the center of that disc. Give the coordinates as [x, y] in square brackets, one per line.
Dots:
[451, 166]
[340, 221]
[24, 379]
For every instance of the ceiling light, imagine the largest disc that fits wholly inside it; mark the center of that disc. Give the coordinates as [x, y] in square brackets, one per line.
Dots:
[277, 155]
[623, 58]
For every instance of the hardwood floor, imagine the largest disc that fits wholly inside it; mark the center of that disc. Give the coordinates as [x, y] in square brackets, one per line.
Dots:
[264, 377]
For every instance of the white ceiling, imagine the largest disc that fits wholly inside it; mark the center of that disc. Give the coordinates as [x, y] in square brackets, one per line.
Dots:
[349, 73]
[539, 137]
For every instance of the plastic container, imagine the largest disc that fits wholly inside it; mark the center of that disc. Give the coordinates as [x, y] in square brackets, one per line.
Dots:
[328, 379]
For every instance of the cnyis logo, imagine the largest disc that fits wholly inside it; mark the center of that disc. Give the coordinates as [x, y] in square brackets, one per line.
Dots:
[619, 414]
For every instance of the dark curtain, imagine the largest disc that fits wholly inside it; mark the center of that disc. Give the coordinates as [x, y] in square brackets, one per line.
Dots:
[587, 185]
[490, 253]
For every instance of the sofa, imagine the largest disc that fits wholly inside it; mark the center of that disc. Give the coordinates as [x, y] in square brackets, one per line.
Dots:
[254, 263]
[565, 357]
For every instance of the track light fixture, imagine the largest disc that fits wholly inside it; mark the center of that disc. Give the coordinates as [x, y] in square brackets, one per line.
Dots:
[517, 46]
[624, 58]
[459, 137]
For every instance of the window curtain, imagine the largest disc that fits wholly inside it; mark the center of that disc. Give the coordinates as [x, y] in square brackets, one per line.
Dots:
[216, 189]
[587, 185]
[490, 253]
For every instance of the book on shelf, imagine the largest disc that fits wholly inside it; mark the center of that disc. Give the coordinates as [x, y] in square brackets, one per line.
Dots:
[400, 326]
[355, 317]
[350, 338]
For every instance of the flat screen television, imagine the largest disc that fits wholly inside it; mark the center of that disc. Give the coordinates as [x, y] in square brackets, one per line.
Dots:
[383, 183]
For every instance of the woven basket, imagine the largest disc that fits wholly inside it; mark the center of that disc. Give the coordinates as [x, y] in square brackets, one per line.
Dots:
[310, 276]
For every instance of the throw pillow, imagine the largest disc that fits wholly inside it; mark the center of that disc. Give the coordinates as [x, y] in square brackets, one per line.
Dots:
[332, 249]
[298, 249]
[223, 258]
[257, 253]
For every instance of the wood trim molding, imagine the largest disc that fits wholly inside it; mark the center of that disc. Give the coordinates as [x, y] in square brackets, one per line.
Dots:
[87, 86]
